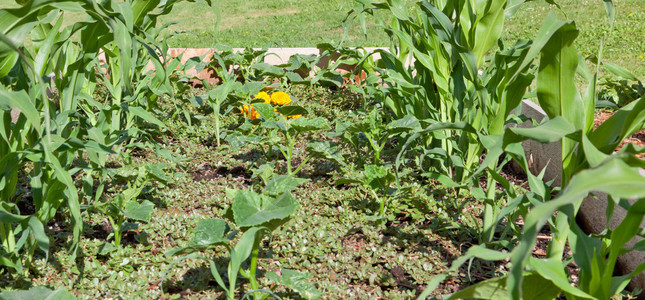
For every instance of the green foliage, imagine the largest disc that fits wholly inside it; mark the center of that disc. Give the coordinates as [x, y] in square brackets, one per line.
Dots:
[62, 131]
[39, 292]
[256, 215]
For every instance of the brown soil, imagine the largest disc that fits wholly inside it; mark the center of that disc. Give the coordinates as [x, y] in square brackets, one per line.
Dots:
[638, 138]
[208, 172]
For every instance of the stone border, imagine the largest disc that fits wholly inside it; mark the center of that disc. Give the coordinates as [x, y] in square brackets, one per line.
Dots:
[592, 211]
[275, 56]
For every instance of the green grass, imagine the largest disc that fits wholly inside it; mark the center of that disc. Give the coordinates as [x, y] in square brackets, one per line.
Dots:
[273, 23]
[625, 46]
[302, 23]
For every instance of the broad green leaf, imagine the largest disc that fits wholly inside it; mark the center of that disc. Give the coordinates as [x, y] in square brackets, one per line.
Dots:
[39, 292]
[556, 89]
[304, 124]
[140, 8]
[378, 177]
[145, 115]
[139, 211]
[614, 177]
[551, 131]
[106, 248]
[268, 70]
[21, 101]
[553, 271]
[587, 253]
[619, 71]
[534, 285]
[406, 124]
[297, 281]
[291, 110]
[623, 123]
[265, 110]
[208, 234]
[252, 209]
[490, 21]
[326, 150]
[241, 252]
[512, 7]
[282, 184]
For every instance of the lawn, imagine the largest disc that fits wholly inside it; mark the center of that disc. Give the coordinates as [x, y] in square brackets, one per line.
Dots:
[301, 23]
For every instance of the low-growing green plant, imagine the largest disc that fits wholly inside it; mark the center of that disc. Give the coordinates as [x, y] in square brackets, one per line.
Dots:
[257, 215]
[378, 180]
[370, 130]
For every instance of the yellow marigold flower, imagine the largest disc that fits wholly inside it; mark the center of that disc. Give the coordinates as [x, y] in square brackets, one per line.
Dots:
[295, 116]
[264, 96]
[252, 115]
[280, 98]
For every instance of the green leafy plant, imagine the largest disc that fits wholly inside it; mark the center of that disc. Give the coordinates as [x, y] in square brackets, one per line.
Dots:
[370, 130]
[257, 215]
[125, 205]
[586, 154]
[375, 178]
[62, 130]
[276, 121]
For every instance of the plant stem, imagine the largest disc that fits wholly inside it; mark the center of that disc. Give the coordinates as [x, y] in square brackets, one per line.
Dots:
[254, 265]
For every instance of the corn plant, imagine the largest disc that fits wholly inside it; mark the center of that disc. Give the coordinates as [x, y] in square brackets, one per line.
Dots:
[257, 215]
[588, 164]
[431, 71]
[62, 130]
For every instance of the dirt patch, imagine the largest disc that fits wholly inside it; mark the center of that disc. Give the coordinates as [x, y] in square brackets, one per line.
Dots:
[637, 139]
[354, 242]
[208, 173]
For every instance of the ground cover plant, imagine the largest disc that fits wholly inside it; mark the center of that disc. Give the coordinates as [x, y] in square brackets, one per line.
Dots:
[270, 183]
